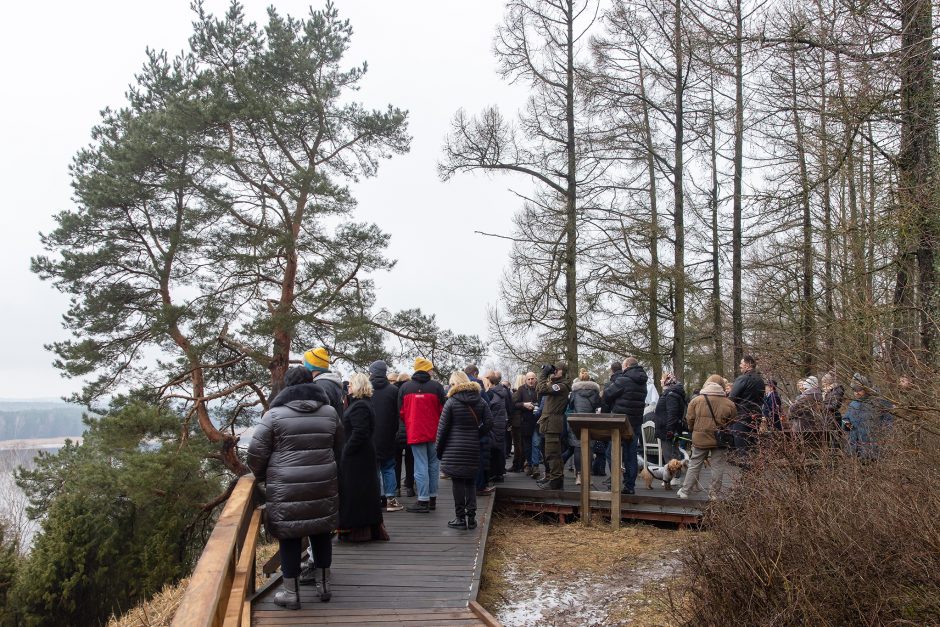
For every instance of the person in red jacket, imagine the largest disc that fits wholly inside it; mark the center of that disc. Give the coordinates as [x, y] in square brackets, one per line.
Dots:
[420, 402]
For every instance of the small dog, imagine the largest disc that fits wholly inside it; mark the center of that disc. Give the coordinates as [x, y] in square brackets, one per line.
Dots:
[666, 474]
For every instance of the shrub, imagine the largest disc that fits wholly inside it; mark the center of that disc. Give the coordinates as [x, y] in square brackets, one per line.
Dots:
[822, 539]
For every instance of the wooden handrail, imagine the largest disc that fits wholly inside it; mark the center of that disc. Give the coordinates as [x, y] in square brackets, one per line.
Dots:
[229, 553]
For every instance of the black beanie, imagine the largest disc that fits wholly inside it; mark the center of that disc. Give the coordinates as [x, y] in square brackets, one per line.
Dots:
[298, 375]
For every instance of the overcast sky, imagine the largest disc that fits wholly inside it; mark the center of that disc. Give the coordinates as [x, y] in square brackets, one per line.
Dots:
[64, 62]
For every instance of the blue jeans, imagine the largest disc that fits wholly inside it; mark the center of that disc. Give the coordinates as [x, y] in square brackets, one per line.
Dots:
[632, 469]
[387, 475]
[536, 457]
[427, 470]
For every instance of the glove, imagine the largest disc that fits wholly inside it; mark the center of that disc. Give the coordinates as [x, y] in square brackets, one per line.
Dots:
[548, 370]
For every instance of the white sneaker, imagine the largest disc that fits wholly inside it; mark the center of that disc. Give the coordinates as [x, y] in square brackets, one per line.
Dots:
[393, 505]
[682, 494]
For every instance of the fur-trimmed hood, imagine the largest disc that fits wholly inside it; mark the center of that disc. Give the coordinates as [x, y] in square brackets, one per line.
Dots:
[585, 385]
[470, 387]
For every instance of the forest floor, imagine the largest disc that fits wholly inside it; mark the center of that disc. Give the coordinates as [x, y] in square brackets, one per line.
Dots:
[551, 574]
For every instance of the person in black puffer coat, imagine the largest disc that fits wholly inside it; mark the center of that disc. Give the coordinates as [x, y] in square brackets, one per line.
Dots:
[627, 395]
[385, 436]
[465, 418]
[295, 451]
[500, 406]
[360, 509]
[670, 416]
[585, 399]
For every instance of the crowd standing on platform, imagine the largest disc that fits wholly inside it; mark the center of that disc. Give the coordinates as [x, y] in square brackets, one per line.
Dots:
[336, 456]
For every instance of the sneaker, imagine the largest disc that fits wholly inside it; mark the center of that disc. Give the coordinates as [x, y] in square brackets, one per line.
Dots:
[308, 574]
[577, 479]
[393, 505]
[486, 491]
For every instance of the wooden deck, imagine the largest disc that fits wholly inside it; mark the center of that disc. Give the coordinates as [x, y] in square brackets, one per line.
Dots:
[658, 504]
[428, 574]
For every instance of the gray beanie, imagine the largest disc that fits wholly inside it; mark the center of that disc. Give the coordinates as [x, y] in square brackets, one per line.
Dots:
[378, 369]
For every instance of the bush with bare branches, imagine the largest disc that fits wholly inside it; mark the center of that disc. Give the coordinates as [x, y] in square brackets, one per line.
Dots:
[822, 538]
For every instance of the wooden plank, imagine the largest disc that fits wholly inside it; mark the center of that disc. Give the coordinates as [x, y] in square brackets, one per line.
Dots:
[478, 566]
[204, 601]
[586, 476]
[488, 619]
[615, 476]
[243, 583]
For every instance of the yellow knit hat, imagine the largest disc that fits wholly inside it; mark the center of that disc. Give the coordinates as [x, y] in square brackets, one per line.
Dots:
[423, 365]
[317, 359]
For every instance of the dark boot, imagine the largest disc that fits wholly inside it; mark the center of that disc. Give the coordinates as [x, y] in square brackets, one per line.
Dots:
[432, 505]
[289, 595]
[421, 507]
[471, 520]
[458, 523]
[325, 593]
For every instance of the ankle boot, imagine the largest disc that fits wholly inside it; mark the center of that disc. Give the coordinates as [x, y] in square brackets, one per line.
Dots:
[471, 520]
[289, 595]
[325, 593]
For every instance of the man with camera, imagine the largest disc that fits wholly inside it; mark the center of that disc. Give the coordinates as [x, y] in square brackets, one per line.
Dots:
[554, 386]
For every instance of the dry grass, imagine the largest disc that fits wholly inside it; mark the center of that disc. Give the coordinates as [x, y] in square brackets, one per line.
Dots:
[626, 564]
[157, 612]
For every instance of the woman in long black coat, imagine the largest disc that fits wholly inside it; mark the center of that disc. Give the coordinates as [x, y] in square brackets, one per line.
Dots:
[295, 450]
[360, 505]
[465, 417]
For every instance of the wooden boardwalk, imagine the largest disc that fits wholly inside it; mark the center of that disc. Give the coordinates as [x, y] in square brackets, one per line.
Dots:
[428, 574]
[658, 504]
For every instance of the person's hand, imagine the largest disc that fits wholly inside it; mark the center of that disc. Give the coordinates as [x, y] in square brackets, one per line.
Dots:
[547, 370]
[670, 435]
[529, 406]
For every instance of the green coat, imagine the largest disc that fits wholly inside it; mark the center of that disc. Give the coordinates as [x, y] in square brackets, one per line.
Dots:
[556, 401]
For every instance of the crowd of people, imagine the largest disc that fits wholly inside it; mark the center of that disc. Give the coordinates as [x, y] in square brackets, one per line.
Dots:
[336, 456]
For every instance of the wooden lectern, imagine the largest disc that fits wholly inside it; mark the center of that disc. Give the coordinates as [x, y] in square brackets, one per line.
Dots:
[608, 428]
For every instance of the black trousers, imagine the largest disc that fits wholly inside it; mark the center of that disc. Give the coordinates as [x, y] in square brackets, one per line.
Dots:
[290, 549]
[528, 429]
[465, 496]
[497, 462]
[518, 448]
[409, 459]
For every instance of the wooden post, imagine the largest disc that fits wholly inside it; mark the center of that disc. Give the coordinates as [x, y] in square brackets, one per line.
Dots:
[586, 476]
[616, 477]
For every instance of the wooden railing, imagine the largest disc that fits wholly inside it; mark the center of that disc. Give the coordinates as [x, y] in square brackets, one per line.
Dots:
[224, 578]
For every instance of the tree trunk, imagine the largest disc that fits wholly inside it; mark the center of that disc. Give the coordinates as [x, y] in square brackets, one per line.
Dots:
[679, 270]
[571, 215]
[917, 161]
[737, 315]
[717, 326]
[807, 307]
[656, 359]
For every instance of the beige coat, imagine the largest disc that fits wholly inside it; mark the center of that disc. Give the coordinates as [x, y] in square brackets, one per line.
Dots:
[700, 419]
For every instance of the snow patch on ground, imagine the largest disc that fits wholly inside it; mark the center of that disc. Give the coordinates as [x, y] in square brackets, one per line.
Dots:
[589, 599]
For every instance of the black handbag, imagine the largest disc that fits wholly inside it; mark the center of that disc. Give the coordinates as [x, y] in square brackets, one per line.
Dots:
[724, 436]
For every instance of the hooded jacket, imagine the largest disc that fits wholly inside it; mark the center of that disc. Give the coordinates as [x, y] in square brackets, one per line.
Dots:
[385, 406]
[670, 411]
[295, 450]
[332, 385]
[420, 402]
[585, 397]
[458, 433]
[627, 395]
[704, 421]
